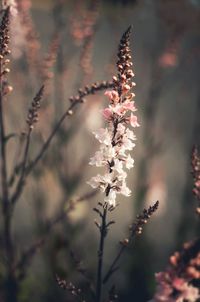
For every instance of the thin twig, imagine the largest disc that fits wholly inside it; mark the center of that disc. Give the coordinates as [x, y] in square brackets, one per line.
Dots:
[113, 267]
[20, 183]
[35, 246]
[75, 101]
[32, 119]
[135, 229]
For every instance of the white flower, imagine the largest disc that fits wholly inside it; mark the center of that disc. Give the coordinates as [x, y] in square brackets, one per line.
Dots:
[118, 166]
[103, 136]
[130, 134]
[111, 198]
[97, 159]
[121, 129]
[94, 181]
[122, 176]
[109, 152]
[100, 181]
[124, 190]
[127, 143]
[121, 152]
[129, 162]
[189, 293]
[107, 178]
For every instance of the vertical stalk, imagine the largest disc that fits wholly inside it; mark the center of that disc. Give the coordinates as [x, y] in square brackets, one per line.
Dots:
[10, 286]
[103, 232]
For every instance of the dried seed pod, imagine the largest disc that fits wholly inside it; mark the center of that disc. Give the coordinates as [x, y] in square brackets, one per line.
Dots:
[32, 117]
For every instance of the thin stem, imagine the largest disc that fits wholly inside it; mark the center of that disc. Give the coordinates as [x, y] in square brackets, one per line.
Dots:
[20, 183]
[77, 100]
[135, 229]
[10, 286]
[103, 233]
[113, 266]
[31, 251]
[48, 141]
[3, 150]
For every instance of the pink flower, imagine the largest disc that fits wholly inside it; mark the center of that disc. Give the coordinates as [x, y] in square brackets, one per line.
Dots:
[178, 283]
[189, 293]
[133, 121]
[112, 95]
[126, 88]
[107, 113]
[118, 109]
[129, 106]
[168, 282]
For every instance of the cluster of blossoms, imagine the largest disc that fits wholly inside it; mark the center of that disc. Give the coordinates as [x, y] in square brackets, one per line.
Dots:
[117, 140]
[180, 282]
[174, 289]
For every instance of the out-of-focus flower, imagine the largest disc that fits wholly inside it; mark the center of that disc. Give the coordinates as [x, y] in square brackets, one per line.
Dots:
[174, 289]
[178, 282]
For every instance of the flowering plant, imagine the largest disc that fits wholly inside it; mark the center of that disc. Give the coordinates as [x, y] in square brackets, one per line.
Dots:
[117, 139]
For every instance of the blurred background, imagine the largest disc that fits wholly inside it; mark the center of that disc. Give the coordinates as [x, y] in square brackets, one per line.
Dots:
[67, 45]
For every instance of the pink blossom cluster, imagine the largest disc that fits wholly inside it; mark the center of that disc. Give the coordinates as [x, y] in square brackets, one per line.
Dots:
[116, 142]
[174, 289]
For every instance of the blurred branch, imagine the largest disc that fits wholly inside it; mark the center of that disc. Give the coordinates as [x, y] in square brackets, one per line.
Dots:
[27, 255]
[75, 101]
[31, 120]
[135, 229]
[81, 269]
[74, 291]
